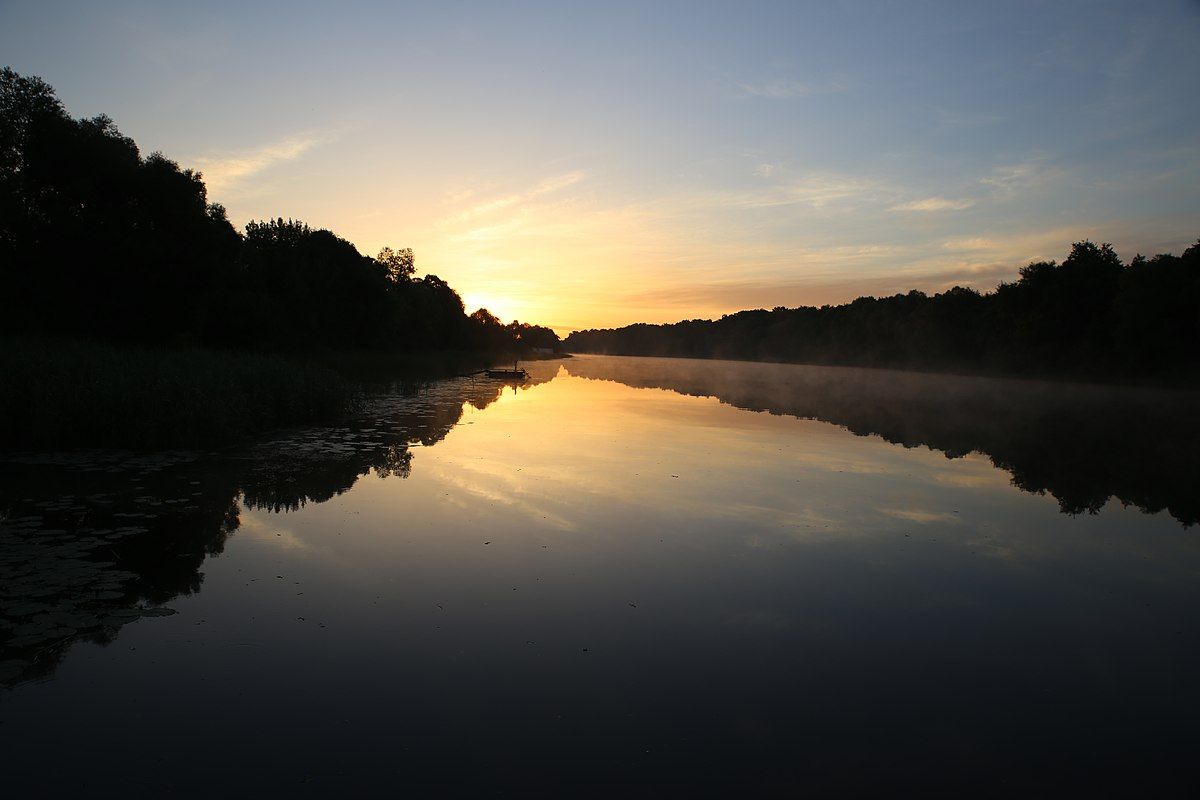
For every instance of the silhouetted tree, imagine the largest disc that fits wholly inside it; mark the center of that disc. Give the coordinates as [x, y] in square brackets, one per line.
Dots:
[488, 332]
[1090, 316]
[398, 264]
[97, 241]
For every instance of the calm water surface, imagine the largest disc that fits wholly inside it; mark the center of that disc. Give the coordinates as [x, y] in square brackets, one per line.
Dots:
[639, 577]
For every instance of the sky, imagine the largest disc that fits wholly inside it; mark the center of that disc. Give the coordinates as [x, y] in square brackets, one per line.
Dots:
[596, 164]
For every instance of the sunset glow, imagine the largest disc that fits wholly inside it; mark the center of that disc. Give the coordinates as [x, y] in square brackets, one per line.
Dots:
[579, 166]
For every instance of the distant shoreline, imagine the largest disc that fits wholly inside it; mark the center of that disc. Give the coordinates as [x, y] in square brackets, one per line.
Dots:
[1068, 380]
[1090, 318]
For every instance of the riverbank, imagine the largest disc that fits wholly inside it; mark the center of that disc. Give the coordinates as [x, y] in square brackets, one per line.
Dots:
[66, 393]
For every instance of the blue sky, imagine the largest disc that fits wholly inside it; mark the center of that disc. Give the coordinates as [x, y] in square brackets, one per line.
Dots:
[587, 164]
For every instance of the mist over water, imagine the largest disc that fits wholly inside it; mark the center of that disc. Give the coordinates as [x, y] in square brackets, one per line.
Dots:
[651, 576]
[1081, 443]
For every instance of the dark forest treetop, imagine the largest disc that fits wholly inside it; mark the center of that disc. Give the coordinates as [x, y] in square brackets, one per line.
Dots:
[98, 242]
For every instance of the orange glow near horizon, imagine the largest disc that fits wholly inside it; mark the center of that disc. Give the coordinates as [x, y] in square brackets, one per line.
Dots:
[557, 255]
[575, 170]
[566, 251]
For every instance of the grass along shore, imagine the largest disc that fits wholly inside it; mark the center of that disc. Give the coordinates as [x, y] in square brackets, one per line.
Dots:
[69, 393]
[64, 394]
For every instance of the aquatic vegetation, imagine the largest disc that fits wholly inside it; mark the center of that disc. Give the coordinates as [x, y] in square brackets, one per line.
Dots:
[57, 585]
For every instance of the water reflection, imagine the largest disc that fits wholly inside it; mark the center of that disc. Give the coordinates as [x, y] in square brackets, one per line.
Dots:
[1081, 444]
[90, 542]
[587, 587]
[315, 465]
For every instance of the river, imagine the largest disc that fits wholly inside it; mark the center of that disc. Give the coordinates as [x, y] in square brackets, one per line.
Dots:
[627, 576]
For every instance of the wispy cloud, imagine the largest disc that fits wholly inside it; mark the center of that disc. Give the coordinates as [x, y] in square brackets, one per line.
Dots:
[1008, 180]
[933, 204]
[784, 88]
[971, 243]
[547, 186]
[458, 196]
[225, 172]
[557, 182]
[492, 233]
[966, 119]
[817, 190]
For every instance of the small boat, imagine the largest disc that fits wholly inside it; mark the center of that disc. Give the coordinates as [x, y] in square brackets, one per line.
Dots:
[508, 374]
[504, 373]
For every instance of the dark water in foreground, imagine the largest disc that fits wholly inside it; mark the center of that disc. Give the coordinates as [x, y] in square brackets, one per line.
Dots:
[625, 578]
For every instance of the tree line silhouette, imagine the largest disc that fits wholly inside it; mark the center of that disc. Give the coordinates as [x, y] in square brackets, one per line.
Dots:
[1090, 316]
[99, 242]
